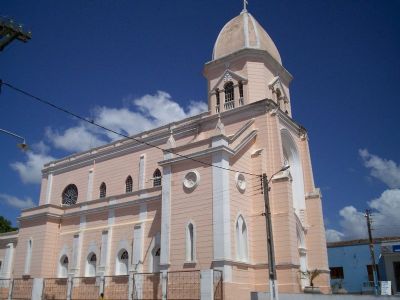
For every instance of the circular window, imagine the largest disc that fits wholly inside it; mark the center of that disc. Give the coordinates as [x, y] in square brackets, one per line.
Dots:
[191, 180]
[70, 195]
[240, 182]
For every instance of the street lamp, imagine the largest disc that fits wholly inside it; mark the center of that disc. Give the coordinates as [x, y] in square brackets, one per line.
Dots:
[270, 240]
[23, 145]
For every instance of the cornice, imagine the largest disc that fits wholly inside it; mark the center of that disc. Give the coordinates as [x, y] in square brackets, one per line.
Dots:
[158, 137]
[206, 152]
[258, 53]
[9, 235]
[153, 136]
[245, 141]
[43, 216]
[111, 206]
[241, 130]
[289, 123]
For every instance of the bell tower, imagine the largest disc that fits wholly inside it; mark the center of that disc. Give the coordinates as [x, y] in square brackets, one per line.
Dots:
[246, 67]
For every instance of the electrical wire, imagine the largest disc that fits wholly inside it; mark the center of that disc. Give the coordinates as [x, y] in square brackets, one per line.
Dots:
[64, 110]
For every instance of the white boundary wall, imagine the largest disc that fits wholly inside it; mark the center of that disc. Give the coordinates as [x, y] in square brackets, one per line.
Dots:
[265, 296]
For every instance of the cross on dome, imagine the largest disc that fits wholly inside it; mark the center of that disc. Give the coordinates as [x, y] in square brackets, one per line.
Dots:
[245, 3]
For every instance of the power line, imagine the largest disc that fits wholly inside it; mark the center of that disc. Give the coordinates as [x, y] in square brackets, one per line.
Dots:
[64, 110]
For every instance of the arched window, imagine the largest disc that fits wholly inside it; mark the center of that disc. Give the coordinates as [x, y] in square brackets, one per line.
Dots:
[28, 257]
[103, 190]
[63, 267]
[70, 195]
[292, 158]
[241, 239]
[128, 184]
[229, 94]
[156, 259]
[122, 263]
[157, 178]
[91, 265]
[190, 243]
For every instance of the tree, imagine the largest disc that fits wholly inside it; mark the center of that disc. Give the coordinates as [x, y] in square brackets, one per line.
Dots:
[5, 225]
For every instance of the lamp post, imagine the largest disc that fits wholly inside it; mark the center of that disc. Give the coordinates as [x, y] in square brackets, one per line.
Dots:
[270, 240]
[23, 146]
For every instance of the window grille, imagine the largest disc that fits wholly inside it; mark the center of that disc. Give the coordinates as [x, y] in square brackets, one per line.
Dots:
[157, 178]
[93, 258]
[103, 190]
[229, 93]
[70, 195]
[128, 184]
[124, 255]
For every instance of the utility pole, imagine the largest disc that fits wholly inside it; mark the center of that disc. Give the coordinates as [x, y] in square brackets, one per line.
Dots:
[10, 31]
[371, 250]
[273, 287]
[270, 240]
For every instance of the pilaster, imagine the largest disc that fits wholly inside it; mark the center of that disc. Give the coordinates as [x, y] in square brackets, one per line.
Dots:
[221, 206]
[166, 213]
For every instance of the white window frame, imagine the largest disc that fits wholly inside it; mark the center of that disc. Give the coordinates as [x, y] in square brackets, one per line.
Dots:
[190, 243]
[28, 257]
[62, 271]
[120, 264]
[89, 265]
[242, 237]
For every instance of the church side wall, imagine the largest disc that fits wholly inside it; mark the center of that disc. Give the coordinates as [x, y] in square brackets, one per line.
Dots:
[195, 206]
[44, 236]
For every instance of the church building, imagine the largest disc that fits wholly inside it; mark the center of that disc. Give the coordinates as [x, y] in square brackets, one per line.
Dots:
[188, 196]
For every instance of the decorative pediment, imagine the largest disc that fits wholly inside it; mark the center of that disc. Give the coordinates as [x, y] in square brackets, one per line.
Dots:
[229, 76]
[276, 84]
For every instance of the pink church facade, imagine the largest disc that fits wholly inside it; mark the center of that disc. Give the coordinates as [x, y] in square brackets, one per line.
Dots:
[194, 201]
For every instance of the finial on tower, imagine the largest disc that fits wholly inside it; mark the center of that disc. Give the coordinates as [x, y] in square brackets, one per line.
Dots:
[245, 3]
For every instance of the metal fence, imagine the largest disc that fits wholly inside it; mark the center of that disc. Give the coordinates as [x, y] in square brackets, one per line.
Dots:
[5, 285]
[116, 287]
[180, 285]
[147, 286]
[22, 288]
[217, 283]
[85, 288]
[55, 288]
[183, 285]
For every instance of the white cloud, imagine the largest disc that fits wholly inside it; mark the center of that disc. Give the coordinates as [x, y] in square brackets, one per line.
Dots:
[121, 120]
[385, 170]
[30, 169]
[16, 202]
[74, 139]
[385, 209]
[162, 109]
[333, 235]
[385, 220]
[142, 114]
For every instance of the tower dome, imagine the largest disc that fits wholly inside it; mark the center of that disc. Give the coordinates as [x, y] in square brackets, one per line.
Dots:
[243, 32]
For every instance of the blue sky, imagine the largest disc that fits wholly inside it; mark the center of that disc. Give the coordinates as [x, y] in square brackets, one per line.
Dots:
[111, 58]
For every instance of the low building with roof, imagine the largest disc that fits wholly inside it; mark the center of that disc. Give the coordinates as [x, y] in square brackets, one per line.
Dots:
[351, 267]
